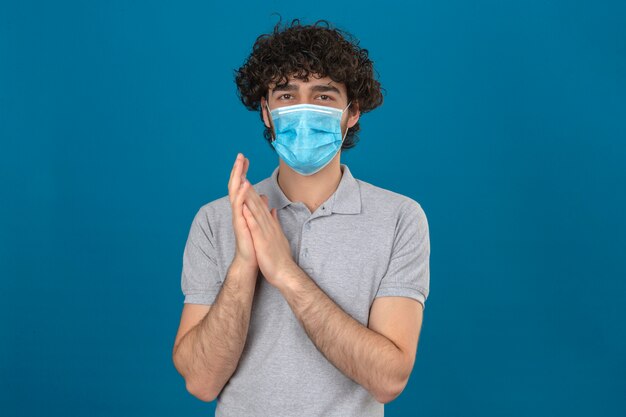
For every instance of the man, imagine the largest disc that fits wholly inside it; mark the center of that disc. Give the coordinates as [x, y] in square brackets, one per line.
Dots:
[304, 293]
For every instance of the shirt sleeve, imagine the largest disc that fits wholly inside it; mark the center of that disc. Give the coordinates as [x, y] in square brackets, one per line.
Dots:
[408, 272]
[200, 278]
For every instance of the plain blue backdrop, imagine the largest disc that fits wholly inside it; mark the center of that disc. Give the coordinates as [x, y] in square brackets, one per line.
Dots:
[505, 120]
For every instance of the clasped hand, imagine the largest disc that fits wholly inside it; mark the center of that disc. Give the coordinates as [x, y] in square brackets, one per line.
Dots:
[254, 221]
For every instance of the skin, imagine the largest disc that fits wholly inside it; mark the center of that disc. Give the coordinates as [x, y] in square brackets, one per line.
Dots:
[210, 339]
[380, 357]
[314, 189]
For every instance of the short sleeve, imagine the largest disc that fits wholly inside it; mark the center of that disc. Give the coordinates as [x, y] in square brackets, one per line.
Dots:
[200, 278]
[408, 272]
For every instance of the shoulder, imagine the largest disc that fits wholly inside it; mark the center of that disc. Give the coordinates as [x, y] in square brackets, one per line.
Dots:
[213, 213]
[219, 210]
[388, 201]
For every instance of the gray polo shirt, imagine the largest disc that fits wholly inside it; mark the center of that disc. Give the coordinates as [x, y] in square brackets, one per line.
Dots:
[363, 242]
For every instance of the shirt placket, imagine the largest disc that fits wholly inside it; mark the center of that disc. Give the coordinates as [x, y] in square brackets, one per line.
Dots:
[306, 230]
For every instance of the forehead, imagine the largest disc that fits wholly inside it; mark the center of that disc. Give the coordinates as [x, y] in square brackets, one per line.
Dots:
[296, 84]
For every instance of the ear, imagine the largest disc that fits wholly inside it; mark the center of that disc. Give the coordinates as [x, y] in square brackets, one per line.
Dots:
[354, 113]
[266, 117]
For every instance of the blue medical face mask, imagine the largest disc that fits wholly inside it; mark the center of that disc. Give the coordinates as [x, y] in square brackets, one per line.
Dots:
[308, 136]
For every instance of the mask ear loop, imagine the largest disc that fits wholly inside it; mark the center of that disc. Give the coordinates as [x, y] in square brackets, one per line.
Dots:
[345, 134]
[269, 116]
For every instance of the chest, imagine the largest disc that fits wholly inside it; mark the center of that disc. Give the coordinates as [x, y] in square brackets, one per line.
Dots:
[346, 255]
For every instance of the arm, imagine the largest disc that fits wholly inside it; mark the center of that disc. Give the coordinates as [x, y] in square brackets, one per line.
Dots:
[364, 355]
[208, 354]
[380, 364]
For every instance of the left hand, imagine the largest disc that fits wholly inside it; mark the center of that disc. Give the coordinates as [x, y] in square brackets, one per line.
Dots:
[270, 243]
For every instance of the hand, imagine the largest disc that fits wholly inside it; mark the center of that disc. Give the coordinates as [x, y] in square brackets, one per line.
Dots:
[244, 252]
[271, 246]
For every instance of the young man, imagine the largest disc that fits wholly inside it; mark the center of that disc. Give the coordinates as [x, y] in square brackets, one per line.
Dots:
[304, 293]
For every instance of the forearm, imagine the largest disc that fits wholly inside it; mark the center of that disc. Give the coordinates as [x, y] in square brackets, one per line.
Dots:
[209, 353]
[365, 356]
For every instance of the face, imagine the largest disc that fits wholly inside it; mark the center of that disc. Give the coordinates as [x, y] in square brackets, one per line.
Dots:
[320, 91]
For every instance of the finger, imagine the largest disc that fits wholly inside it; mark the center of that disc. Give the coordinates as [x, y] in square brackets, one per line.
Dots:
[232, 171]
[246, 164]
[250, 219]
[241, 193]
[238, 201]
[257, 207]
[274, 212]
[266, 200]
[235, 177]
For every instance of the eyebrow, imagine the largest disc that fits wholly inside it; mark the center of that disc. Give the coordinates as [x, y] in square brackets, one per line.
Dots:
[317, 88]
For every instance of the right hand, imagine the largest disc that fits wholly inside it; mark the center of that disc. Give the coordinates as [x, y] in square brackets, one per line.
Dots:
[237, 187]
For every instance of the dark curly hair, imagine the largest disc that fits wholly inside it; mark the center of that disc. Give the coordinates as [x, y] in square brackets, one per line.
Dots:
[301, 50]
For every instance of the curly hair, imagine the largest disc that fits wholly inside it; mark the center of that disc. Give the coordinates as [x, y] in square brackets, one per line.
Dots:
[302, 50]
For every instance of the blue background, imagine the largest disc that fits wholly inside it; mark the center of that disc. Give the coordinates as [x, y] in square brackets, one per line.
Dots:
[505, 120]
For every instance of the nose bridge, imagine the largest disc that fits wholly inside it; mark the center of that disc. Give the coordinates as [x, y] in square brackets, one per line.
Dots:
[307, 117]
[302, 118]
[297, 118]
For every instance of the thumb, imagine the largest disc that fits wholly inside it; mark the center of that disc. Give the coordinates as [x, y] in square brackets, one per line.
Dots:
[265, 200]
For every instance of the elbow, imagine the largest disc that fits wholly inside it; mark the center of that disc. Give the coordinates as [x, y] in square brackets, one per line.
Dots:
[391, 391]
[393, 386]
[387, 396]
[201, 391]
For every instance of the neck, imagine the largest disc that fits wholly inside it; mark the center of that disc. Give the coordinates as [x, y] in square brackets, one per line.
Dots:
[312, 190]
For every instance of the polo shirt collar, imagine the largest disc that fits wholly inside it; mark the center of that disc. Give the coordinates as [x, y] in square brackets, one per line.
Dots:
[346, 199]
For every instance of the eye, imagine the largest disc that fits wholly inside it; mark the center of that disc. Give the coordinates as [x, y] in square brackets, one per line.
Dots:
[283, 95]
[327, 97]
